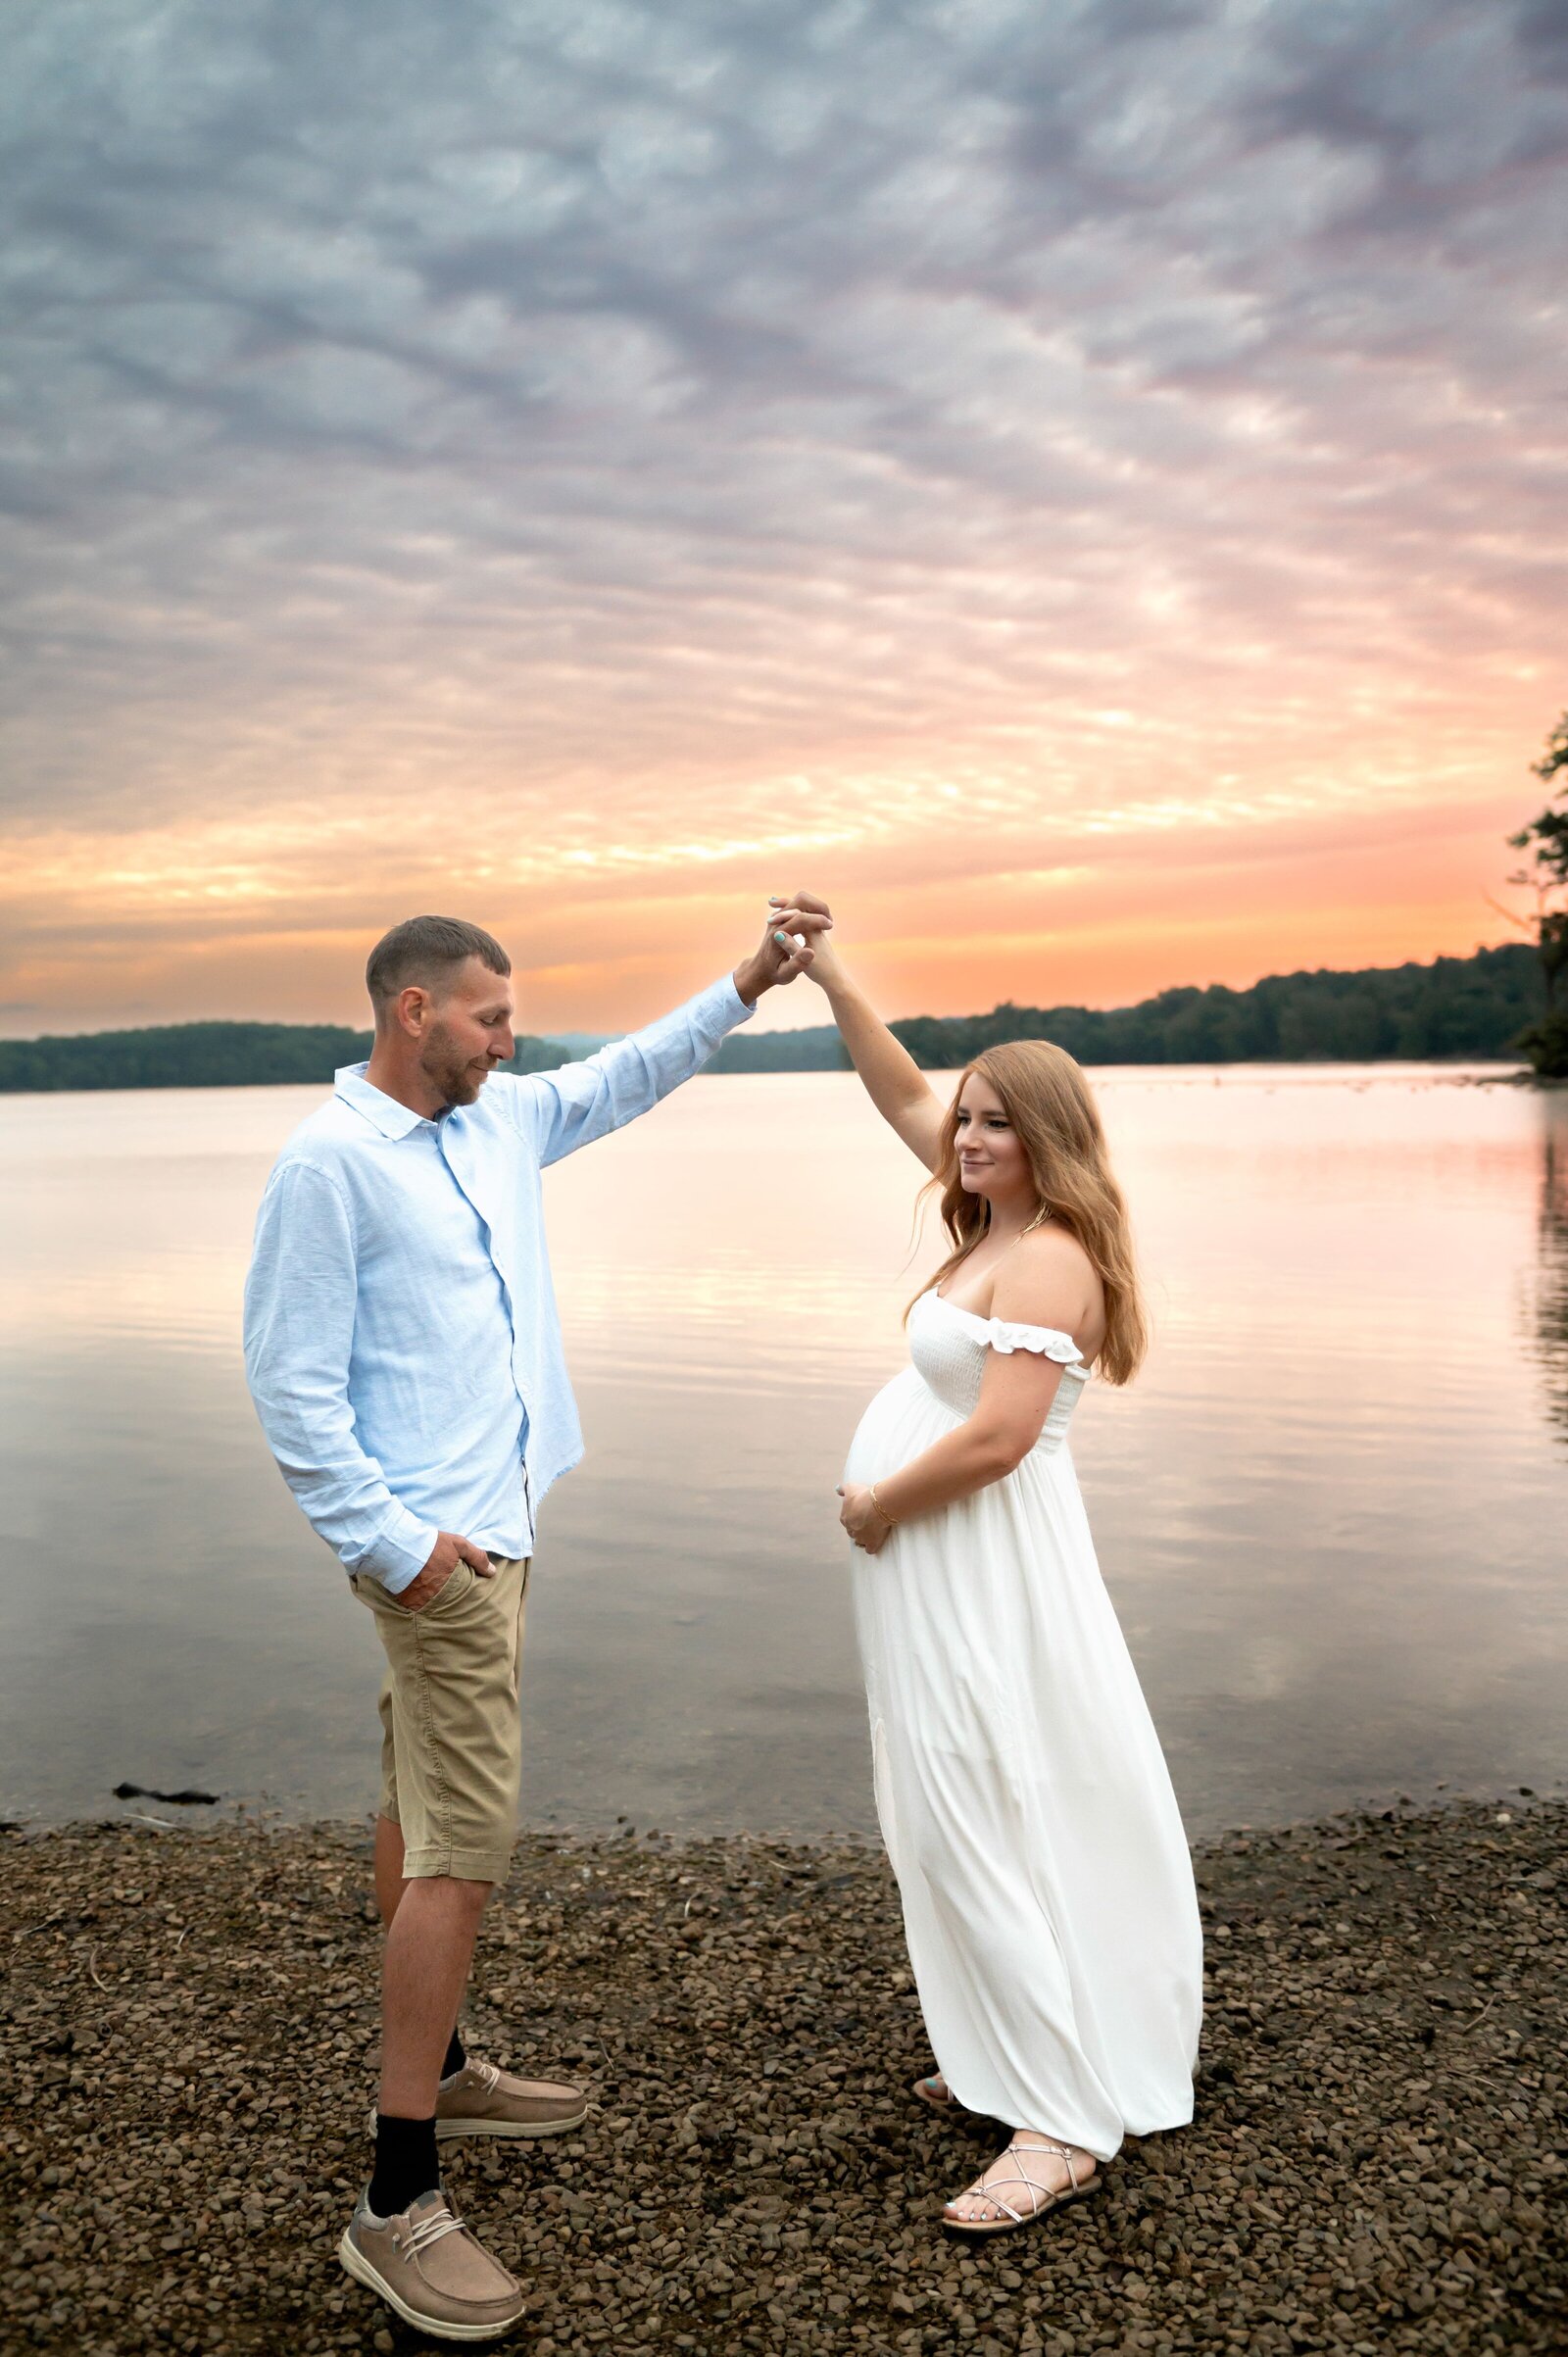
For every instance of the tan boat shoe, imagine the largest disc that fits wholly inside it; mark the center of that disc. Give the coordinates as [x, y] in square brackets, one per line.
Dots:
[433, 2272]
[480, 2100]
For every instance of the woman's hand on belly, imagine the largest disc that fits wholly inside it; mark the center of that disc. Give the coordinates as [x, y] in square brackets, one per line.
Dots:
[869, 1528]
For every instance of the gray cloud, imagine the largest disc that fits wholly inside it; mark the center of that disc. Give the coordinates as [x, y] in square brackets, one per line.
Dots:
[609, 394]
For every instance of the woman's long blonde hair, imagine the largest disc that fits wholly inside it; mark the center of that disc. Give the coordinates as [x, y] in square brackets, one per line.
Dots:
[1047, 1099]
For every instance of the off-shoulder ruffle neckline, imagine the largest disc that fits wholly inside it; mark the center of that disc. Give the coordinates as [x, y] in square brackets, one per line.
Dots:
[1007, 1335]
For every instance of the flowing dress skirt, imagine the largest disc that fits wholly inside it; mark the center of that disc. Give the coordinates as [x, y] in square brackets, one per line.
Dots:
[1024, 1800]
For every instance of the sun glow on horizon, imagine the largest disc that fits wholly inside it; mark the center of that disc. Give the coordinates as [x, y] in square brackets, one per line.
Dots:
[270, 917]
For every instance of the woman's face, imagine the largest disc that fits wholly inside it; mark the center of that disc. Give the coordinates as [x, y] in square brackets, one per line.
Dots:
[991, 1158]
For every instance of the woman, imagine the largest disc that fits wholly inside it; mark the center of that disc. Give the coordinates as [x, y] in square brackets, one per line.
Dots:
[1047, 1896]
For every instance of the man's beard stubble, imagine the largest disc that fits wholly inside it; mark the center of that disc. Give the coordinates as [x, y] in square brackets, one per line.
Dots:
[450, 1073]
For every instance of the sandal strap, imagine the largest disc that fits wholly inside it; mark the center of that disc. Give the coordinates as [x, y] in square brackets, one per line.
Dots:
[1020, 2176]
[990, 2193]
[1064, 2152]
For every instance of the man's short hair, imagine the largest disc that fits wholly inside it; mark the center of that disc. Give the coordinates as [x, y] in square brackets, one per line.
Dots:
[427, 950]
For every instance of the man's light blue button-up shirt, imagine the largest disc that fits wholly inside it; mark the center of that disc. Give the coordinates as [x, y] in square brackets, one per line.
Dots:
[401, 1334]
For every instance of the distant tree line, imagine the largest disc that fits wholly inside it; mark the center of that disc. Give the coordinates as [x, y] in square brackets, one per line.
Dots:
[208, 1056]
[1455, 1006]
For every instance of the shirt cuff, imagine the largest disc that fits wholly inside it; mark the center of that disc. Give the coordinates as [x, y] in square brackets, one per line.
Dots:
[398, 1556]
[733, 1008]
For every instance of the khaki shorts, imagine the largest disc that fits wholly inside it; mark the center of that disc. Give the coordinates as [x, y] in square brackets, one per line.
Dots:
[451, 1735]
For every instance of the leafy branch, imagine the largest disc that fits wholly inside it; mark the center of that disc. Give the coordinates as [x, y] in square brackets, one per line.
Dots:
[1545, 875]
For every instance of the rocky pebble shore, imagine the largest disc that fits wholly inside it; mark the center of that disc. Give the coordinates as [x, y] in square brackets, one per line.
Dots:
[188, 2027]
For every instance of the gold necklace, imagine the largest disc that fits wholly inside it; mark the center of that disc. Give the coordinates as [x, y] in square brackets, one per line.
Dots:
[1037, 1221]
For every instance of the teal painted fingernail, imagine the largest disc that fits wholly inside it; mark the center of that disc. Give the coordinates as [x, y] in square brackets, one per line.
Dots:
[784, 941]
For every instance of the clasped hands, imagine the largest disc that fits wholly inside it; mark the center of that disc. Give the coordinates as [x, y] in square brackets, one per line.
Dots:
[788, 945]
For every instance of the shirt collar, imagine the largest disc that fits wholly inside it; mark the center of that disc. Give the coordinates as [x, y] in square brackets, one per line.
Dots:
[384, 1112]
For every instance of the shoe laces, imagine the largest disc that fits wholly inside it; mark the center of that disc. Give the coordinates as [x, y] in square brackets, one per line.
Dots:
[430, 2229]
[488, 2073]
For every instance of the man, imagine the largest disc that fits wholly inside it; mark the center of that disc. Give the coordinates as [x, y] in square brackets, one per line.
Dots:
[404, 1354]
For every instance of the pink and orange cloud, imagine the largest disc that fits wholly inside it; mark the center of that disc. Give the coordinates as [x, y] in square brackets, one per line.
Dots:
[1084, 489]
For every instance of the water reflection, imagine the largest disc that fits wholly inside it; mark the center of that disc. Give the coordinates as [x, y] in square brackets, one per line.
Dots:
[1550, 1303]
[1330, 1512]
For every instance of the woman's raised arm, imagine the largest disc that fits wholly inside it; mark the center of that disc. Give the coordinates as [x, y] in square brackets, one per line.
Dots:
[893, 1081]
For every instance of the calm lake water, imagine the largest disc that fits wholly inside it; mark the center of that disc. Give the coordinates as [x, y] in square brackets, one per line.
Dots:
[1333, 1512]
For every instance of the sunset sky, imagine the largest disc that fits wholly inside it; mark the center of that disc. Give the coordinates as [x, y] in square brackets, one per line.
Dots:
[1083, 486]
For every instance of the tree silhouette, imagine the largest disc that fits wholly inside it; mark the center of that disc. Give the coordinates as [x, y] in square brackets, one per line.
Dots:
[1545, 873]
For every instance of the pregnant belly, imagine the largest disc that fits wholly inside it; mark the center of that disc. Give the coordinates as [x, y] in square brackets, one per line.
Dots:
[903, 1419]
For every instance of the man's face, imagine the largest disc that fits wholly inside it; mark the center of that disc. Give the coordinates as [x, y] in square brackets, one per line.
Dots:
[470, 1031]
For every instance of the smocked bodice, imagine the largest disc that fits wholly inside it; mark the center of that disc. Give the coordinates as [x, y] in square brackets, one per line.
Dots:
[948, 1345]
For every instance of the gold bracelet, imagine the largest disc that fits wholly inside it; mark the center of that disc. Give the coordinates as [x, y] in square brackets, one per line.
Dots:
[891, 1520]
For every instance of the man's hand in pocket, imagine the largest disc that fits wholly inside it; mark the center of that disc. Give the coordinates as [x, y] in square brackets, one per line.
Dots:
[447, 1554]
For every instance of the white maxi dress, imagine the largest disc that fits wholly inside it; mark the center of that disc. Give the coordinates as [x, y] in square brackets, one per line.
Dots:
[1023, 1796]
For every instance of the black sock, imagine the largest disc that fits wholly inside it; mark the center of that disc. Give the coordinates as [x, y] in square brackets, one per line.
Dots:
[457, 2055]
[405, 2165]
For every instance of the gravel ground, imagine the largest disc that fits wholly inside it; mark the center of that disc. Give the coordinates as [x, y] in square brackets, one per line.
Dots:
[189, 2026]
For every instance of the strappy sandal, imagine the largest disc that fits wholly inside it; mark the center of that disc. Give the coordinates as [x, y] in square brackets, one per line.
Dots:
[925, 2090]
[1048, 2197]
